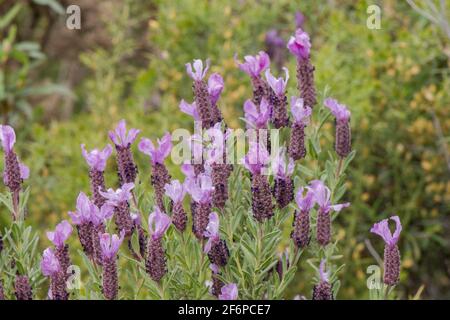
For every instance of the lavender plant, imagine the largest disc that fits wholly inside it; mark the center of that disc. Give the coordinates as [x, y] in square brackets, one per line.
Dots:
[231, 215]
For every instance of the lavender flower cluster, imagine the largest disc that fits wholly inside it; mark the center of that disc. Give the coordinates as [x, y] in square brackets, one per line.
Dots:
[206, 182]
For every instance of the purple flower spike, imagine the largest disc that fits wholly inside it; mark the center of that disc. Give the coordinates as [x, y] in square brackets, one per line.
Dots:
[190, 109]
[340, 111]
[175, 191]
[199, 71]
[49, 263]
[391, 252]
[299, 44]
[254, 65]
[215, 87]
[52, 268]
[382, 229]
[120, 137]
[257, 118]
[158, 223]
[322, 196]
[212, 231]
[301, 225]
[96, 159]
[118, 196]
[157, 154]
[229, 292]
[83, 210]
[61, 233]
[322, 290]
[283, 189]
[278, 85]
[300, 112]
[110, 244]
[8, 137]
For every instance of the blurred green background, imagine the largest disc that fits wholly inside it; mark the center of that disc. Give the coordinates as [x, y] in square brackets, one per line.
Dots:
[60, 88]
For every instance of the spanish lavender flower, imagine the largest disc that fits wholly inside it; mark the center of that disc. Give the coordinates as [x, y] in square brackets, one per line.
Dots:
[176, 191]
[96, 160]
[343, 138]
[258, 118]
[200, 88]
[142, 236]
[22, 288]
[216, 160]
[301, 223]
[98, 218]
[82, 219]
[201, 190]
[62, 232]
[51, 268]
[216, 248]
[215, 87]
[160, 175]
[119, 200]
[109, 245]
[254, 66]
[217, 284]
[255, 161]
[229, 292]
[391, 251]
[155, 264]
[15, 171]
[322, 196]
[283, 189]
[125, 163]
[300, 46]
[277, 98]
[301, 115]
[322, 290]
